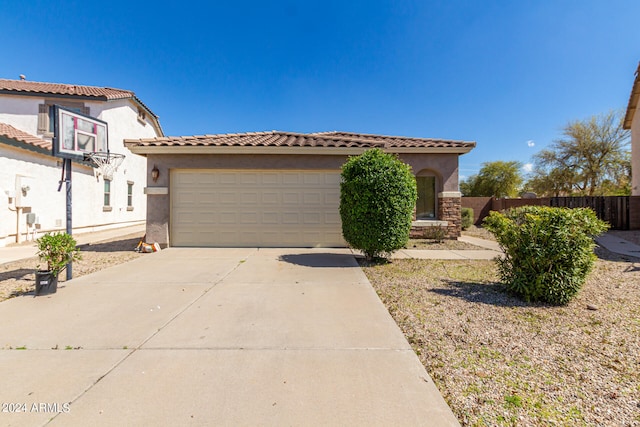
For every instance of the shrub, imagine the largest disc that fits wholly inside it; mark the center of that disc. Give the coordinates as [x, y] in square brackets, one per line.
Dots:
[57, 250]
[467, 218]
[548, 251]
[377, 198]
[437, 233]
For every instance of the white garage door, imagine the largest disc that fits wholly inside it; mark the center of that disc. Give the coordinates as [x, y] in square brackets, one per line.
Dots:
[255, 208]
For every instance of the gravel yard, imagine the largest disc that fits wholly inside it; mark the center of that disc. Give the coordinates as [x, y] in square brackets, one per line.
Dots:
[18, 278]
[500, 361]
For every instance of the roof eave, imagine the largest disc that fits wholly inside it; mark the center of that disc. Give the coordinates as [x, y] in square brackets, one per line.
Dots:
[633, 101]
[57, 95]
[327, 151]
[25, 146]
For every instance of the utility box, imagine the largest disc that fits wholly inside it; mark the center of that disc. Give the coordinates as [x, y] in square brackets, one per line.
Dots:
[31, 219]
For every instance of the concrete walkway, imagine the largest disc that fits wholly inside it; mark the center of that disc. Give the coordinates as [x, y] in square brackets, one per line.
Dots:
[487, 249]
[214, 337]
[618, 245]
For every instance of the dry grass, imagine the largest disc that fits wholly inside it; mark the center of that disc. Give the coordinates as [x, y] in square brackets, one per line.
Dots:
[500, 361]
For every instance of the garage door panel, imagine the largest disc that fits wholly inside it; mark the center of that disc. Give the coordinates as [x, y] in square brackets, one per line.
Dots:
[255, 208]
[249, 178]
[227, 217]
[270, 197]
[291, 179]
[249, 197]
[314, 197]
[311, 218]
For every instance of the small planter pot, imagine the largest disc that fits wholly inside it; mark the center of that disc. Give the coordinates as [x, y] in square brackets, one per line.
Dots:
[46, 282]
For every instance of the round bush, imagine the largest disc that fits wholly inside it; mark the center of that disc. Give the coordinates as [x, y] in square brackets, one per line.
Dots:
[377, 199]
[548, 251]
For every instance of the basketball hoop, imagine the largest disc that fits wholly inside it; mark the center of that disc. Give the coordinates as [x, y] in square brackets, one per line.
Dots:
[106, 163]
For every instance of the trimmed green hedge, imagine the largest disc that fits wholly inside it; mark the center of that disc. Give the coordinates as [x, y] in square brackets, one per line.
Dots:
[548, 251]
[377, 199]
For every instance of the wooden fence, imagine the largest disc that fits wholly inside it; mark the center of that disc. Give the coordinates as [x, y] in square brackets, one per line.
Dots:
[621, 212]
[612, 209]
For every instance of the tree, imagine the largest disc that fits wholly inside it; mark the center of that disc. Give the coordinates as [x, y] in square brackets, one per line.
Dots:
[377, 199]
[591, 159]
[495, 179]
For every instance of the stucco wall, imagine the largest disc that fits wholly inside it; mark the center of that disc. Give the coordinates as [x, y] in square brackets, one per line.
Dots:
[88, 192]
[42, 174]
[158, 205]
[20, 112]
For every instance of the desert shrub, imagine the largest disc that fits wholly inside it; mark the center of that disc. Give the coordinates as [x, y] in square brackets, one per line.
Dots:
[377, 198]
[437, 233]
[467, 218]
[548, 251]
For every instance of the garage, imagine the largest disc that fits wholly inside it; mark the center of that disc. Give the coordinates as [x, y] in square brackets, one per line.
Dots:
[278, 189]
[255, 208]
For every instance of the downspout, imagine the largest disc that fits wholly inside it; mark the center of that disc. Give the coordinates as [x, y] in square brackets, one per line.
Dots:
[18, 212]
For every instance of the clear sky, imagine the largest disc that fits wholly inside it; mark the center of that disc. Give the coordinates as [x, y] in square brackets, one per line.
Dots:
[508, 74]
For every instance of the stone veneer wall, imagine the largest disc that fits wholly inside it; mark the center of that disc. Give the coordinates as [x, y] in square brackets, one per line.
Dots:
[449, 209]
[449, 218]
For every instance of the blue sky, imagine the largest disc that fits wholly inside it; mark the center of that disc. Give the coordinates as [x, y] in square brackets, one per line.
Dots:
[506, 74]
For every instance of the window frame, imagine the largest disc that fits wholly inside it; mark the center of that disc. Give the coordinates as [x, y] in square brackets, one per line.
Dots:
[107, 193]
[45, 114]
[130, 195]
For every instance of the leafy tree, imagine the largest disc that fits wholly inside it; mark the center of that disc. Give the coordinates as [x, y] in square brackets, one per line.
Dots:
[377, 199]
[591, 159]
[495, 179]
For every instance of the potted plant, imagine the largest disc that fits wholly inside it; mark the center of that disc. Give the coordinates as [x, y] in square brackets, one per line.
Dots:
[56, 250]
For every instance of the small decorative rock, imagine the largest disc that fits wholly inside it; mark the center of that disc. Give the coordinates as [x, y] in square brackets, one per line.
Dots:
[592, 307]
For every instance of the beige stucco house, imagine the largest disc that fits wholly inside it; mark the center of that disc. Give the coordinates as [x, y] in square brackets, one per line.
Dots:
[632, 121]
[30, 175]
[279, 189]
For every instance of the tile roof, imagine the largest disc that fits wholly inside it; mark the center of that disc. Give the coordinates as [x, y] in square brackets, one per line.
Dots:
[290, 139]
[24, 86]
[633, 100]
[10, 132]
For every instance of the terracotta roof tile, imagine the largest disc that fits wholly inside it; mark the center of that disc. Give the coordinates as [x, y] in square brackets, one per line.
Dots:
[24, 86]
[290, 139]
[10, 132]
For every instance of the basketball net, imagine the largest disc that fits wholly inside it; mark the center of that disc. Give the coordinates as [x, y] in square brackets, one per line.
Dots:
[106, 163]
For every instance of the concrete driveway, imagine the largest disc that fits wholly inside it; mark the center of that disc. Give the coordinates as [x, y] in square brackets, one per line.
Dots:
[213, 337]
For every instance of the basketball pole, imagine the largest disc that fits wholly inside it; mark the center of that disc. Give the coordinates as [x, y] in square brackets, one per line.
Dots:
[67, 167]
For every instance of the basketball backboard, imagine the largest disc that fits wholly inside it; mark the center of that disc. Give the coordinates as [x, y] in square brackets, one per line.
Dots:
[75, 134]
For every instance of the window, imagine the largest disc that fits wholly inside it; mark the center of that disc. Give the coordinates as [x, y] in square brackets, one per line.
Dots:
[426, 204]
[129, 195]
[45, 114]
[107, 193]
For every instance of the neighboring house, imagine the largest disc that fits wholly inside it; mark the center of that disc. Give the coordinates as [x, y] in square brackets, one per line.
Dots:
[279, 189]
[632, 121]
[30, 175]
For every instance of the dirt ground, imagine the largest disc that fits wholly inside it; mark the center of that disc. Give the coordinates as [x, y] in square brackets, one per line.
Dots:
[18, 277]
[499, 361]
